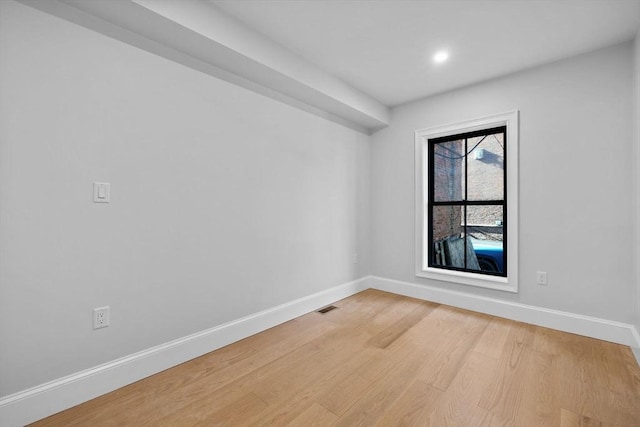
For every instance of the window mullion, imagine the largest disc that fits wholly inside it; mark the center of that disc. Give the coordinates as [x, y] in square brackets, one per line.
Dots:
[466, 189]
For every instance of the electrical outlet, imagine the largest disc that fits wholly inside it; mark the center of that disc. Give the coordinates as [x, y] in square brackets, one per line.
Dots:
[541, 278]
[100, 317]
[355, 258]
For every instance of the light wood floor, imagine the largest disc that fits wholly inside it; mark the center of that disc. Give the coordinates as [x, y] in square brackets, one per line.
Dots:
[381, 359]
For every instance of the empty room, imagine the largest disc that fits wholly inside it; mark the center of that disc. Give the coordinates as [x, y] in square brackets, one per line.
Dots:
[320, 212]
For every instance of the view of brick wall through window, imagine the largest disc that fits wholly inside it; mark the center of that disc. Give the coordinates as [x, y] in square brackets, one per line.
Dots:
[448, 166]
[485, 181]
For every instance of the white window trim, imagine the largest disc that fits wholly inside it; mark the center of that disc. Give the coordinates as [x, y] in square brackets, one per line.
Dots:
[422, 136]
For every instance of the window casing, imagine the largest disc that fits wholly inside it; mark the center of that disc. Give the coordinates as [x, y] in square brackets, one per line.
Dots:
[466, 202]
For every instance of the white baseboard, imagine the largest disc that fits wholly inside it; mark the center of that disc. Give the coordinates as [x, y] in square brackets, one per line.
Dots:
[593, 327]
[635, 348]
[636, 353]
[47, 399]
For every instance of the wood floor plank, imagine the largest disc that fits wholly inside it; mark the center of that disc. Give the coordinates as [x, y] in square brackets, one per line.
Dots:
[371, 367]
[381, 395]
[494, 337]
[391, 313]
[631, 364]
[363, 308]
[586, 388]
[315, 416]
[504, 395]
[199, 408]
[537, 404]
[391, 333]
[413, 407]
[458, 405]
[297, 401]
[449, 351]
[386, 360]
[233, 414]
[339, 398]
[300, 368]
[571, 419]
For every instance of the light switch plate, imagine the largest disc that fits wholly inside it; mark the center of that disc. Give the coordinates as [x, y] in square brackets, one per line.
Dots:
[101, 192]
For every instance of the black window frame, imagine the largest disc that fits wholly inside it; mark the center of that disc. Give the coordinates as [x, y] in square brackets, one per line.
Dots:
[431, 203]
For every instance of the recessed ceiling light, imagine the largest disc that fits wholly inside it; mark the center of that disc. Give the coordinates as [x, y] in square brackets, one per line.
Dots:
[440, 56]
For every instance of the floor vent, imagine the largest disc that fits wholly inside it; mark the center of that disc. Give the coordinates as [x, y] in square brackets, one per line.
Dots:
[327, 309]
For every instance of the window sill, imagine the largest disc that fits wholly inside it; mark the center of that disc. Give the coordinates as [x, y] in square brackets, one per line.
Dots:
[471, 279]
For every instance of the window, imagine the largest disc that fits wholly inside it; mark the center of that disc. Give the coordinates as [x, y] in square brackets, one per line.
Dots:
[466, 200]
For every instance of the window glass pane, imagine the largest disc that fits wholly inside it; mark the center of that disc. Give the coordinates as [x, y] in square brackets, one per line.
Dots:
[449, 239]
[447, 222]
[485, 167]
[484, 227]
[448, 172]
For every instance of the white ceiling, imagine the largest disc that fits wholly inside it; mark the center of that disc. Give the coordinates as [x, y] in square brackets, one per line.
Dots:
[384, 47]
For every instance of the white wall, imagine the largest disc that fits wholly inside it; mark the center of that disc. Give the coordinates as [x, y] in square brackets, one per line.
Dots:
[224, 202]
[576, 214]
